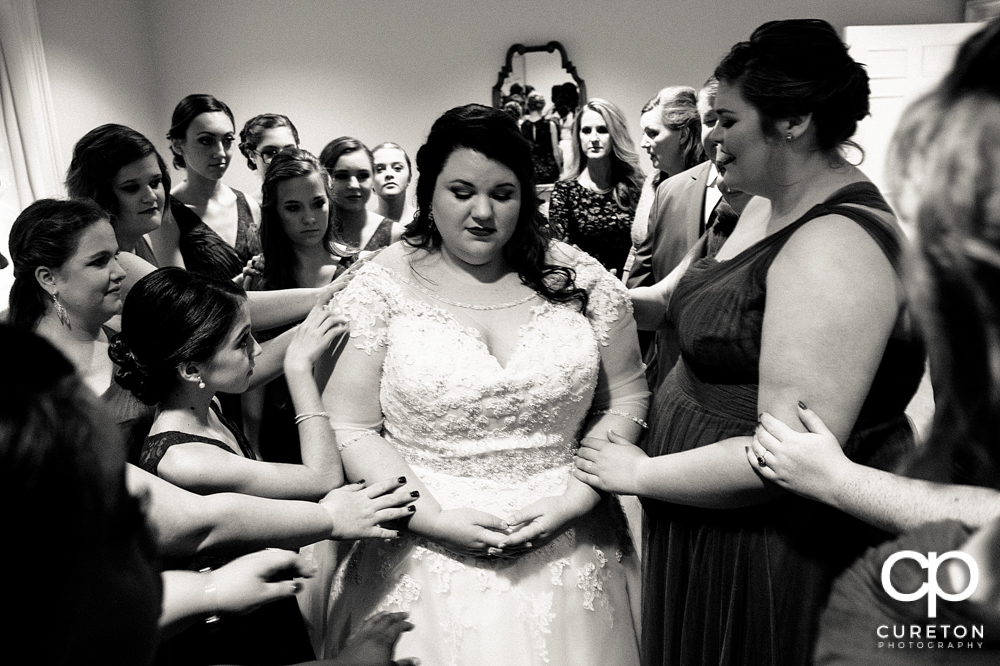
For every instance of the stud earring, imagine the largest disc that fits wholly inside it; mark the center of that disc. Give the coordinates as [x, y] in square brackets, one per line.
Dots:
[788, 137]
[61, 311]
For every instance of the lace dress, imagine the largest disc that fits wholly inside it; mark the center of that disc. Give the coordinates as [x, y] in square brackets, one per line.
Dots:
[593, 222]
[494, 438]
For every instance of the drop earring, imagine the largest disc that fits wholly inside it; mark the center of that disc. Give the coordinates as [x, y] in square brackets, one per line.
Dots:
[201, 382]
[60, 311]
[430, 217]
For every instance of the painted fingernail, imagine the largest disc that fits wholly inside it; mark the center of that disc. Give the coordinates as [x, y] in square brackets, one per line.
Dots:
[296, 587]
[411, 508]
[802, 405]
[360, 482]
[402, 479]
[415, 493]
[760, 416]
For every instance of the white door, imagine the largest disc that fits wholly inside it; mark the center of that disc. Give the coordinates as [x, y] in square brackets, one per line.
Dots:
[903, 61]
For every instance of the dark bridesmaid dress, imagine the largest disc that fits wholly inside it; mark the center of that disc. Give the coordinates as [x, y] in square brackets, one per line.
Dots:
[746, 585]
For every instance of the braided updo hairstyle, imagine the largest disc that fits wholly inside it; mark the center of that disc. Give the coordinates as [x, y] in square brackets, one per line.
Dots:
[171, 317]
[798, 67]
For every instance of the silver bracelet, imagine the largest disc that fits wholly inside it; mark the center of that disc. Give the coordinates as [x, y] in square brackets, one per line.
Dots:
[355, 438]
[625, 415]
[212, 595]
[299, 418]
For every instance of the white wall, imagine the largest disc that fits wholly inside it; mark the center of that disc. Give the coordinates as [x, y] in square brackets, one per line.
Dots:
[384, 69]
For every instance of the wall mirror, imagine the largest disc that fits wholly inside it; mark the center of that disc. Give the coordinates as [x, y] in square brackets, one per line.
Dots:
[538, 66]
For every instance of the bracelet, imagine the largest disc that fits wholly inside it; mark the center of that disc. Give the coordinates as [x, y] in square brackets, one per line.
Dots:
[299, 418]
[356, 437]
[212, 595]
[625, 415]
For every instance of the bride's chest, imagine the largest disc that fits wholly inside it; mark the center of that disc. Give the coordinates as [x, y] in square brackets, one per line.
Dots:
[432, 349]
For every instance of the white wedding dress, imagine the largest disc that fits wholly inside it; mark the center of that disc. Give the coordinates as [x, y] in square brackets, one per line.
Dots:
[496, 439]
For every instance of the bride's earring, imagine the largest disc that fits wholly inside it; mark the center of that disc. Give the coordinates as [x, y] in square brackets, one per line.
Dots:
[61, 311]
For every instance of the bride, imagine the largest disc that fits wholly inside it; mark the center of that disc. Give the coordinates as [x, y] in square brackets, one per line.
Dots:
[479, 355]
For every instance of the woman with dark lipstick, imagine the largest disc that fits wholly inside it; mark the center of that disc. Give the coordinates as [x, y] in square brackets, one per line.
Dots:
[217, 225]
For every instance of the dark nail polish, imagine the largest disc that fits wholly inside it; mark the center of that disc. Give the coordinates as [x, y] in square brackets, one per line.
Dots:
[415, 493]
[361, 482]
[759, 416]
[402, 479]
[411, 508]
[802, 405]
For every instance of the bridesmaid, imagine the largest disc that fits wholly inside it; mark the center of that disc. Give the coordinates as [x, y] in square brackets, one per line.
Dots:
[802, 302]
[217, 225]
[392, 177]
[263, 137]
[351, 165]
[120, 170]
[297, 239]
[594, 207]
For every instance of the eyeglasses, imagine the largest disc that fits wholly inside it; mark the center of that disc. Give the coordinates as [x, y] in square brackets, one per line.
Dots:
[269, 153]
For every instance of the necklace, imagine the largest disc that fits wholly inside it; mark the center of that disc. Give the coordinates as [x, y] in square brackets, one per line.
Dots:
[467, 306]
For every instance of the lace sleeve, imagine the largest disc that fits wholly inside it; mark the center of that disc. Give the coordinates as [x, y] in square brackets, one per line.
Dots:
[366, 301]
[621, 383]
[608, 299]
[559, 210]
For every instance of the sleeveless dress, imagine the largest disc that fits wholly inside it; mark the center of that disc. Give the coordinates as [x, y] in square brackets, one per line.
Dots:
[746, 585]
[272, 634]
[205, 252]
[495, 439]
[540, 135]
[593, 222]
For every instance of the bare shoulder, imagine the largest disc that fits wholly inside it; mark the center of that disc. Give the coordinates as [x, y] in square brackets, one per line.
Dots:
[829, 252]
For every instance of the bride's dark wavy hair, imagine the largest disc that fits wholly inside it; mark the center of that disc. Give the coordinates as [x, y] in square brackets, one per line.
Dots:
[495, 135]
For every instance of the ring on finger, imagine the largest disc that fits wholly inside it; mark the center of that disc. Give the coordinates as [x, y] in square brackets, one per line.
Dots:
[761, 461]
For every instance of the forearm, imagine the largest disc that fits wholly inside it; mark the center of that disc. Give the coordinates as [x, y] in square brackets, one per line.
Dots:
[249, 523]
[371, 458]
[276, 308]
[715, 476]
[898, 504]
[316, 441]
[650, 307]
[184, 598]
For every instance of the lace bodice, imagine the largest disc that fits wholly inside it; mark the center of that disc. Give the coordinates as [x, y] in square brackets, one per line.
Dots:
[486, 403]
[448, 404]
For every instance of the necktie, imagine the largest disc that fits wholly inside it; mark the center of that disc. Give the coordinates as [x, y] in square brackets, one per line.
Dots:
[720, 225]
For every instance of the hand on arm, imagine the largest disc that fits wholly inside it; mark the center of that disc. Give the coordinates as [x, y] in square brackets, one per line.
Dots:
[240, 586]
[312, 338]
[832, 303]
[352, 398]
[812, 464]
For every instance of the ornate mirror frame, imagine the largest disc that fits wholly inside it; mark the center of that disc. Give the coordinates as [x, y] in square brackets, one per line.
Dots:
[521, 49]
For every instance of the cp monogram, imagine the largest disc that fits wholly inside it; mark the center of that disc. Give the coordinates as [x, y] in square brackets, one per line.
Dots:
[930, 588]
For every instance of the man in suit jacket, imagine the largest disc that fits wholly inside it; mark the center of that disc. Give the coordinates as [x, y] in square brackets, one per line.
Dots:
[685, 206]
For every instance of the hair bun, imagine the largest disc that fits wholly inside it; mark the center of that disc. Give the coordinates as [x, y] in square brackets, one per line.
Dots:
[130, 373]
